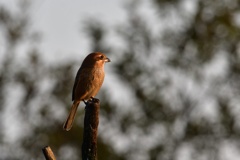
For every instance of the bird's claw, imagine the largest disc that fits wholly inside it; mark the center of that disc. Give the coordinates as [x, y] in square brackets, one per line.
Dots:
[91, 100]
[94, 99]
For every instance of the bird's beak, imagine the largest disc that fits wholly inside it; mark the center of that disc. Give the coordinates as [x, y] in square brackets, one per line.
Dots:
[107, 60]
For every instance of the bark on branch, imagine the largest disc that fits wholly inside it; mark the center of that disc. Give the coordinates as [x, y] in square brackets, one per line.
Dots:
[91, 120]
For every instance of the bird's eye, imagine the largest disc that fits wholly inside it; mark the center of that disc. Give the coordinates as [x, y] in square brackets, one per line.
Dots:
[101, 57]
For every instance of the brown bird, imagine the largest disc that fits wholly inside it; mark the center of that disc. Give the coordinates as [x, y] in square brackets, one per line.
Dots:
[87, 83]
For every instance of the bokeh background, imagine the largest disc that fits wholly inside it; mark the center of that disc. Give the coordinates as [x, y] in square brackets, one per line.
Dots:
[171, 92]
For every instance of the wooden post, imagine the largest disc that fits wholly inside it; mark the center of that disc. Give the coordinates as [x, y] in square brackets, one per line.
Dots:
[91, 120]
[48, 153]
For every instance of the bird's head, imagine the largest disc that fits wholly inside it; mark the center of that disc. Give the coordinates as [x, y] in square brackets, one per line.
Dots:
[96, 59]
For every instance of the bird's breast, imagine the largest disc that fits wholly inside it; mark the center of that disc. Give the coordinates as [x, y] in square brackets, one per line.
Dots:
[98, 76]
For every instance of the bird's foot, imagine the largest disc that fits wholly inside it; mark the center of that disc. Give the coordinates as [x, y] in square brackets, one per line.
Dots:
[91, 100]
[94, 99]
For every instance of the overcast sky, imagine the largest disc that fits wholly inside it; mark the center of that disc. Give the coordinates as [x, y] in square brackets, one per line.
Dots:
[60, 22]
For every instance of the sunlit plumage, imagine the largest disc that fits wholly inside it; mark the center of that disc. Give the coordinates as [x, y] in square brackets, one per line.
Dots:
[88, 82]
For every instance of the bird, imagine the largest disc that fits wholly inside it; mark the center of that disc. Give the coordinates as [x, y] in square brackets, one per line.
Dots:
[88, 82]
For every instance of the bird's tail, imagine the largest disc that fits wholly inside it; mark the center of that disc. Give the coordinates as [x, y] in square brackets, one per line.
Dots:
[69, 122]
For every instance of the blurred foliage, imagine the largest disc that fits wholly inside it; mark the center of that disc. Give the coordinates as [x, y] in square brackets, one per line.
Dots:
[181, 81]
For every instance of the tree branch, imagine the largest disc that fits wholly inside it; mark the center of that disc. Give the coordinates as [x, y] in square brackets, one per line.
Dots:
[91, 120]
[48, 153]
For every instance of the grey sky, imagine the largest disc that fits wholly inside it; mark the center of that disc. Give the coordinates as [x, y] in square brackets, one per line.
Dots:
[59, 21]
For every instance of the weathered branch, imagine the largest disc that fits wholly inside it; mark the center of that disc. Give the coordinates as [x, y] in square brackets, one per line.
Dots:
[48, 153]
[91, 120]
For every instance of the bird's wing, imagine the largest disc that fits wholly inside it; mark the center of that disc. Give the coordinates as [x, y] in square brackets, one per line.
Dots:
[82, 84]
